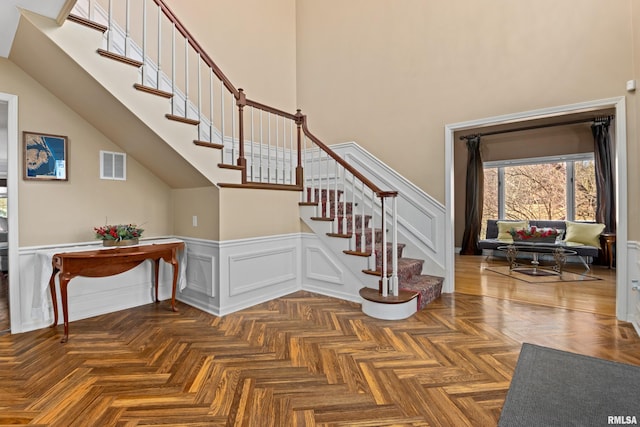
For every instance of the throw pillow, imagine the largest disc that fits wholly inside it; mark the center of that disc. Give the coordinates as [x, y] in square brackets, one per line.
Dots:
[585, 233]
[504, 227]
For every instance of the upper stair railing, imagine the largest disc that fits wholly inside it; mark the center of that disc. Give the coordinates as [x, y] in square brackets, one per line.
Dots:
[271, 148]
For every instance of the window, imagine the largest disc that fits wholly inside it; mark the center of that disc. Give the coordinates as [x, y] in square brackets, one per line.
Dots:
[553, 188]
[113, 165]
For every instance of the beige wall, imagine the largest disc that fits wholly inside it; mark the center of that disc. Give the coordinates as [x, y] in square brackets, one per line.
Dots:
[252, 213]
[252, 41]
[66, 212]
[392, 77]
[199, 202]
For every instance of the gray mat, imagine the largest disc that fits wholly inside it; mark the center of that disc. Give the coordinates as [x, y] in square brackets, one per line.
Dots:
[556, 388]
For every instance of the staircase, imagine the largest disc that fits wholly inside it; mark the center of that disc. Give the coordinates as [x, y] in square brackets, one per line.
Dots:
[261, 147]
[365, 250]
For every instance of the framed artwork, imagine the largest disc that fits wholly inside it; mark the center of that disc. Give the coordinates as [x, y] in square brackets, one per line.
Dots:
[45, 157]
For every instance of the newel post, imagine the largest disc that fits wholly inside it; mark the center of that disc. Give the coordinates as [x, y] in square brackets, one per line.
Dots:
[300, 119]
[241, 101]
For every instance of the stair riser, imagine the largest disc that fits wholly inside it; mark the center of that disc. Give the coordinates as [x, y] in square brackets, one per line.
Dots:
[405, 271]
[328, 209]
[314, 195]
[367, 234]
[428, 293]
[349, 223]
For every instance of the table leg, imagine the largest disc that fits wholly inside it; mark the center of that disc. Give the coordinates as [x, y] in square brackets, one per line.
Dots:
[174, 262]
[157, 265]
[64, 281]
[54, 298]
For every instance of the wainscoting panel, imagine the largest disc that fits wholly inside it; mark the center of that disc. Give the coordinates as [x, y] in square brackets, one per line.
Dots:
[320, 267]
[325, 274]
[203, 284]
[222, 277]
[633, 274]
[255, 270]
[88, 297]
[258, 270]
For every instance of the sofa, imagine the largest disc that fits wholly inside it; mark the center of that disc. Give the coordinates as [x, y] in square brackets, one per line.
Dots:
[586, 241]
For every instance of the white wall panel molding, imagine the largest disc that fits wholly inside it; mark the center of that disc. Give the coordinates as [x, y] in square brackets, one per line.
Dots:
[326, 274]
[320, 266]
[421, 220]
[222, 277]
[252, 271]
[88, 297]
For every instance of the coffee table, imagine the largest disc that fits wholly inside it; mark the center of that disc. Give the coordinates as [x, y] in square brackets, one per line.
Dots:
[559, 253]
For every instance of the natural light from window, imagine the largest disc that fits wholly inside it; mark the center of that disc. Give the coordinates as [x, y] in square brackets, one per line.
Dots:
[544, 188]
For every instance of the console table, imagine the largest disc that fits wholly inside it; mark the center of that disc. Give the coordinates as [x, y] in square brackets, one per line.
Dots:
[108, 262]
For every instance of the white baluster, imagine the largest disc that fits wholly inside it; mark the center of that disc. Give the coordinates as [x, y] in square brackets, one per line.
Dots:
[252, 142]
[127, 29]
[277, 165]
[319, 195]
[394, 247]
[363, 237]
[199, 98]
[233, 132]
[335, 193]
[144, 40]
[354, 214]
[211, 93]
[110, 32]
[261, 143]
[292, 173]
[159, 76]
[222, 124]
[173, 68]
[383, 220]
[372, 259]
[186, 77]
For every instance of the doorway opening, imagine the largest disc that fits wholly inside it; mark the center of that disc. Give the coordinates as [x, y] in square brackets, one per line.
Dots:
[619, 138]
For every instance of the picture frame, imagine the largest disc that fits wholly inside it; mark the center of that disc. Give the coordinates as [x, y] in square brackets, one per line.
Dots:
[45, 157]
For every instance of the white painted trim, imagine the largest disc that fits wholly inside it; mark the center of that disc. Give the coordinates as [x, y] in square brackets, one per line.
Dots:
[12, 196]
[622, 300]
[389, 311]
[633, 263]
[420, 217]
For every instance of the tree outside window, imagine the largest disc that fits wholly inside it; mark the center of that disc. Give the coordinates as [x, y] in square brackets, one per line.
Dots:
[553, 190]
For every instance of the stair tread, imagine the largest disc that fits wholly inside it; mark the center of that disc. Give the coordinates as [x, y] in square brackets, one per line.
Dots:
[374, 295]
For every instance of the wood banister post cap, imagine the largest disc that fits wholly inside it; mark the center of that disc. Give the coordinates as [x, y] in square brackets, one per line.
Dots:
[242, 98]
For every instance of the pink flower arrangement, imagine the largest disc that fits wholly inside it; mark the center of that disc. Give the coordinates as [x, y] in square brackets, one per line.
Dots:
[534, 233]
[118, 232]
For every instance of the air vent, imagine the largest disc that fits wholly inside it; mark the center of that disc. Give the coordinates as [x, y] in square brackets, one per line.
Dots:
[113, 165]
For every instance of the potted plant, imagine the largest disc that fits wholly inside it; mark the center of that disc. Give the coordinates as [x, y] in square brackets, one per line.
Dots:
[118, 235]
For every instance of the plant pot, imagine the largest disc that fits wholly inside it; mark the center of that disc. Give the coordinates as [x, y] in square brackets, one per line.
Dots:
[128, 242]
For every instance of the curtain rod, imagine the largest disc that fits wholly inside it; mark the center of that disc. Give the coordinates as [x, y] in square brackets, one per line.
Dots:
[573, 122]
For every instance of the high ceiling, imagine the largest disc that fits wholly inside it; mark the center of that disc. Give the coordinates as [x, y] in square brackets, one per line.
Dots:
[10, 15]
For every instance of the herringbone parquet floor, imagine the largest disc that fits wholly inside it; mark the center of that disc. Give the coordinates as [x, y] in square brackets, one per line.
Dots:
[300, 360]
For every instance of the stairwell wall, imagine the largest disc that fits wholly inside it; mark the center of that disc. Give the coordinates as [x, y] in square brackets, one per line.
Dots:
[58, 212]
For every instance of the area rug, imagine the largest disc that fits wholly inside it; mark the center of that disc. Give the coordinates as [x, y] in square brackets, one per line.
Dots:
[543, 275]
[556, 388]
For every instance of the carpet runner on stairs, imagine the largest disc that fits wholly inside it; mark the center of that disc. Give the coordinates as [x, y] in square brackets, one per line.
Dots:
[410, 277]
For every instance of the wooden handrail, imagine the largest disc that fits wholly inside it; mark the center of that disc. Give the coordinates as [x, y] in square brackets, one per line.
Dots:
[192, 41]
[266, 108]
[241, 101]
[379, 192]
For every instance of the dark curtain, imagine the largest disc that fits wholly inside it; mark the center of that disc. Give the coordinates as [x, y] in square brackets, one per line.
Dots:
[473, 199]
[605, 175]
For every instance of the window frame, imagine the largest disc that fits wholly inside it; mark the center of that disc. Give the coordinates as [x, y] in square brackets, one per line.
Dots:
[569, 159]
